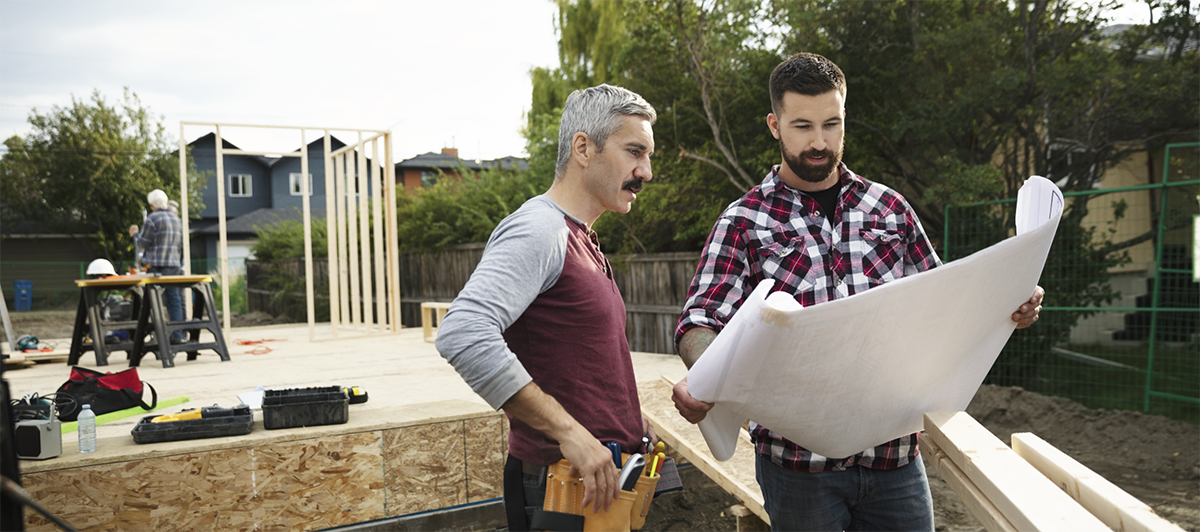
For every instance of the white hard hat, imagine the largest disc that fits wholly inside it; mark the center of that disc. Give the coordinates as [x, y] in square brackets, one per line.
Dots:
[101, 267]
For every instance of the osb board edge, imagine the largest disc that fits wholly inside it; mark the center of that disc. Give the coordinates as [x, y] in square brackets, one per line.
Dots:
[126, 450]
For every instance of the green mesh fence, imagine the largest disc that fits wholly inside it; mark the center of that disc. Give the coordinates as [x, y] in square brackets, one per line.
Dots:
[50, 286]
[1120, 325]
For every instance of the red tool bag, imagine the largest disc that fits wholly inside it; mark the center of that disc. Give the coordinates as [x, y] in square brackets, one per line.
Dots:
[105, 392]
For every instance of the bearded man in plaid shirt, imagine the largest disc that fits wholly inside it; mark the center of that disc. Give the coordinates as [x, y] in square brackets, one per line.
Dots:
[821, 232]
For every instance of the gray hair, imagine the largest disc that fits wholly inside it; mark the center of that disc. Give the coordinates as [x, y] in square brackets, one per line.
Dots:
[597, 112]
[157, 199]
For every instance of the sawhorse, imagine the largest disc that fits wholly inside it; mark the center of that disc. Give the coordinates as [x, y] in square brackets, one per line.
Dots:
[154, 315]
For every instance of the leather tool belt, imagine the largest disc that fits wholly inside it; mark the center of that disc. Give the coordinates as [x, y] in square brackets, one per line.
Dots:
[563, 510]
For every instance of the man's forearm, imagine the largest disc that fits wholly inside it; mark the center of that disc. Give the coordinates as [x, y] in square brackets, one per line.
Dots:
[694, 343]
[542, 412]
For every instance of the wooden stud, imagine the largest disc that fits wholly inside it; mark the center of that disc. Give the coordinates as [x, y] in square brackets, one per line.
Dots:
[223, 239]
[1026, 498]
[377, 232]
[331, 236]
[306, 209]
[352, 238]
[392, 236]
[183, 209]
[974, 499]
[262, 153]
[343, 249]
[266, 126]
[364, 231]
[1112, 505]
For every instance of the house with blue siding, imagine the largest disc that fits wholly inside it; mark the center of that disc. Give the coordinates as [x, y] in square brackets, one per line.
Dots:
[259, 192]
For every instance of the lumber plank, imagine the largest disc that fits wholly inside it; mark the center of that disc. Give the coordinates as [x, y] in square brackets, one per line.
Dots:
[38, 356]
[1026, 498]
[976, 502]
[1112, 505]
[735, 476]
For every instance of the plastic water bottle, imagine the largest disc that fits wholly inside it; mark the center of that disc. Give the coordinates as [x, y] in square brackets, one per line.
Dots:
[87, 430]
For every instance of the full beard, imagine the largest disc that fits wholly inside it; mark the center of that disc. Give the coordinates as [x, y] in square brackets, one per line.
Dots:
[807, 172]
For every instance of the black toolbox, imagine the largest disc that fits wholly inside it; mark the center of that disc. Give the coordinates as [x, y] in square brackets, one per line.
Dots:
[216, 422]
[305, 407]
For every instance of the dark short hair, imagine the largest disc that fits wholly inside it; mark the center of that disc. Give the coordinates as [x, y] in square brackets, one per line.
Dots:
[807, 74]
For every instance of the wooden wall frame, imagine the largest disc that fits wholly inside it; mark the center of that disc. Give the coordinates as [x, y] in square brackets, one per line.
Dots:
[350, 268]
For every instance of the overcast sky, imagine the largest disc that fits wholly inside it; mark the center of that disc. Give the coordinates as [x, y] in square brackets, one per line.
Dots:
[451, 73]
[447, 73]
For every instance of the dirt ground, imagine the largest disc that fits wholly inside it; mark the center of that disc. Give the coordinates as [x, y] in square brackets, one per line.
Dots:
[1153, 458]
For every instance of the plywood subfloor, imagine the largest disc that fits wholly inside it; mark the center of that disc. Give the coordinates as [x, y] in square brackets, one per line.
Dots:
[398, 371]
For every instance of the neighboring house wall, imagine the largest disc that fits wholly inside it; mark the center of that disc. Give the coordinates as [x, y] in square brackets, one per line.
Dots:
[204, 154]
[283, 169]
[1131, 172]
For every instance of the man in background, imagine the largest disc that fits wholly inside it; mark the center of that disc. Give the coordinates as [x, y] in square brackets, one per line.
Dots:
[162, 243]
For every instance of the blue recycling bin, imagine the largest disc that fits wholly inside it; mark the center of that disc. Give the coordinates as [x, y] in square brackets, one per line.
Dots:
[23, 302]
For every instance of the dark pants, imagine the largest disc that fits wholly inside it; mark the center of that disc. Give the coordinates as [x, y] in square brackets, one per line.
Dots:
[172, 298]
[528, 497]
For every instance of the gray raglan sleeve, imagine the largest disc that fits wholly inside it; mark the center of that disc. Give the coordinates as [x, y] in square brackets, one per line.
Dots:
[523, 258]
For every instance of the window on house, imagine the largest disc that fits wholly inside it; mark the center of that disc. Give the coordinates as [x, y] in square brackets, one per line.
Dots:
[240, 186]
[296, 184]
[429, 178]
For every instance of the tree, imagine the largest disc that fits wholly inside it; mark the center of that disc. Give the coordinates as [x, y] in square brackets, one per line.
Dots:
[952, 102]
[702, 66]
[955, 102]
[87, 168]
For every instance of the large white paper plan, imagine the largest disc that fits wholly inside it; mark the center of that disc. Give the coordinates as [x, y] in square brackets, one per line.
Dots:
[846, 375]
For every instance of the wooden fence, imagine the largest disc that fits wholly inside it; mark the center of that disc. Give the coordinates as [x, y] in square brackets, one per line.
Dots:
[654, 287]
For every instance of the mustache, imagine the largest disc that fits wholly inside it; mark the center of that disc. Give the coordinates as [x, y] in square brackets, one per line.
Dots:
[817, 153]
[633, 185]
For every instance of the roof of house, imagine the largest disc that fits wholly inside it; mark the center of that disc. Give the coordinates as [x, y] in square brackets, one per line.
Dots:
[449, 162]
[263, 218]
[508, 163]
[438, 160]
[334, 144]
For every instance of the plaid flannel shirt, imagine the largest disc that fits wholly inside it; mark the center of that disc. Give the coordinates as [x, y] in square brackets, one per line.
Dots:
[777, 232]
[162, 239]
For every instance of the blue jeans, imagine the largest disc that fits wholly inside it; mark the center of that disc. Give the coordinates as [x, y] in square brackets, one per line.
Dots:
[855, 499]
[172, 298]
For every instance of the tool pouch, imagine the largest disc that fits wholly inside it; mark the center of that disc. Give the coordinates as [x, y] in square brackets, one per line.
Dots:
[641, 505]
[564, 510]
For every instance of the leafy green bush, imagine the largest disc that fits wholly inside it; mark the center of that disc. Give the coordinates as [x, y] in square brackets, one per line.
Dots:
[285, 240]
[237, 293]
[463, 211]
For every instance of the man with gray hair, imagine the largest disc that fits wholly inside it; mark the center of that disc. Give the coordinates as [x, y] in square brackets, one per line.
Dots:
[162, 240]
[539, 329]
